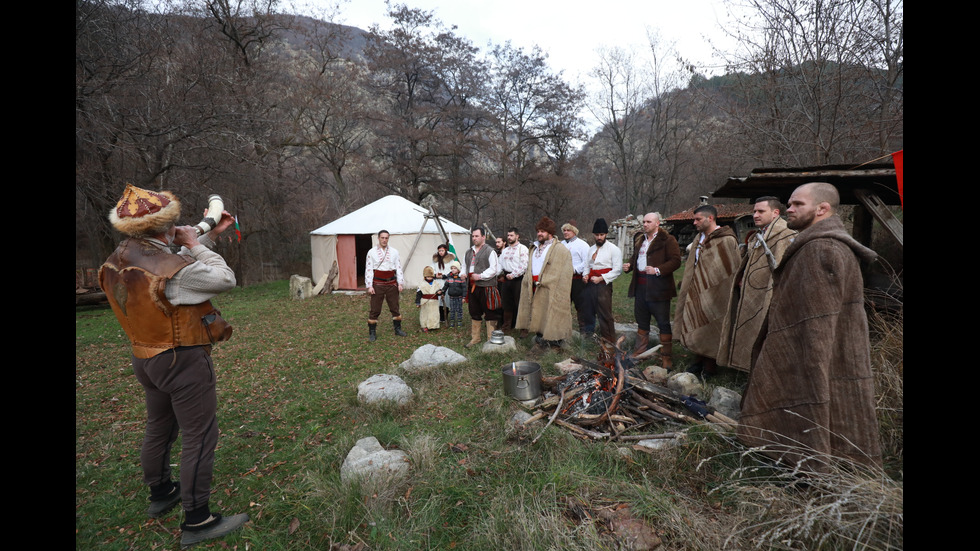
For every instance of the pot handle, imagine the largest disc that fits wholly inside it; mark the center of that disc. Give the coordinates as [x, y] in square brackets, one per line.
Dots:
[522, 382]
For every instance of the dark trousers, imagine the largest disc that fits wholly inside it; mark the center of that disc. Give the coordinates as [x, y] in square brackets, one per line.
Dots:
[597, 304]
[510, 296]
[659, 310]
[180, 397]
[382, 294]
[578, 286]
[478, 306]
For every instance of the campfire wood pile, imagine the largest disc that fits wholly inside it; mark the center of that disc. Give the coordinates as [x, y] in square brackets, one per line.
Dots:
[611, 400]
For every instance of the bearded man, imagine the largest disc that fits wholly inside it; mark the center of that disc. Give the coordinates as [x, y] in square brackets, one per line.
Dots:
[704, 290]
[752, 285]
[545, 308]
[605, 265]
[810, 400]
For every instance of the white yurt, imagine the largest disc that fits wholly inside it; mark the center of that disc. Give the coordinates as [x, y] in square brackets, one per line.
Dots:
[413, 230]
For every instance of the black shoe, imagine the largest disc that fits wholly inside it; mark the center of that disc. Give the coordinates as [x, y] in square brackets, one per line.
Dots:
[398, 329]
[215, 527]
[160, 506]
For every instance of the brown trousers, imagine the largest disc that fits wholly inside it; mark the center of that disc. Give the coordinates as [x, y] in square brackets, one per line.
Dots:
[382, 294]
[180, 398]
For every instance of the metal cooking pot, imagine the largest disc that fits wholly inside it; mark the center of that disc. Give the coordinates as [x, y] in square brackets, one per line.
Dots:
[522, 380]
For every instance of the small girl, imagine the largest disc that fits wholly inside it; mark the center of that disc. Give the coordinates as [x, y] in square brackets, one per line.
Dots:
[455, 288]
[427, 300]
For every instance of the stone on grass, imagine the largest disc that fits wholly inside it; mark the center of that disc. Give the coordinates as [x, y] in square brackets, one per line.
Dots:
[508, 345]
[727, 401]
[685, 383]
[300, 287]
[380, 388]
[369, 462]
[429, 356]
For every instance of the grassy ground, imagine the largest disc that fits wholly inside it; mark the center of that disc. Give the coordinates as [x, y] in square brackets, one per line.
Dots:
[287, 386]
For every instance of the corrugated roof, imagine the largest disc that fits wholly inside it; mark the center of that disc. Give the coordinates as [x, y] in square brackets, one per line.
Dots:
[726, 212]
[878, 178]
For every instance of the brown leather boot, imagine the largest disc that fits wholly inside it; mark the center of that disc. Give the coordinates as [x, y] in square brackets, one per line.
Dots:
[665, 351]
[490, 329]
[474, 333]
[642, 341]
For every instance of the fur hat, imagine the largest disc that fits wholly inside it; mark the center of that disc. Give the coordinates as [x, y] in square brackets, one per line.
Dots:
[569, 226]
[600, 226]
[141, 212]
[546, 224]
[428, 272]
[456, 265]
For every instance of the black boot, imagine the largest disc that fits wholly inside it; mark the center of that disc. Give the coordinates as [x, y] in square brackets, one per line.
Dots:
[398, 328]
[372, 332]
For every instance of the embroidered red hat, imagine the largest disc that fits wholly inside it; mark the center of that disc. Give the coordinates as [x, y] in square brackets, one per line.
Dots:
[141, 212]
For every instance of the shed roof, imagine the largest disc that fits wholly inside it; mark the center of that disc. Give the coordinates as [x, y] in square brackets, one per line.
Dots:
[727, 212]
[879, 178]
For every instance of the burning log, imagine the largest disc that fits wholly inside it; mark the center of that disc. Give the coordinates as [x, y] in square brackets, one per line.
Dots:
[604, 400]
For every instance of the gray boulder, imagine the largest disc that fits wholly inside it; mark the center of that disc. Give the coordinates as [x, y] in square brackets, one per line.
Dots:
[369, 462]
[727, 401]
[379, 388]
[429, 355]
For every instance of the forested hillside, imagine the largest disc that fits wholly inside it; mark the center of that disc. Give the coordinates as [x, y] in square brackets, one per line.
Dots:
[295, 121]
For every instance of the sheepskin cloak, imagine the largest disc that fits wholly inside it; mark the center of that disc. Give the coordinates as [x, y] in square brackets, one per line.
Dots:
[811, 391]
[750, 293]
[548, 309]
[702, 302]
[429, 307]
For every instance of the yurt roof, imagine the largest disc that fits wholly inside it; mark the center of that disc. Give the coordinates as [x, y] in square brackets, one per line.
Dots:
[393, 213]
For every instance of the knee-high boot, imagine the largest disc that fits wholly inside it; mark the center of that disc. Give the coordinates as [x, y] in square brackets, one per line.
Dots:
[474, 333]
[642, 341]
[665, 351]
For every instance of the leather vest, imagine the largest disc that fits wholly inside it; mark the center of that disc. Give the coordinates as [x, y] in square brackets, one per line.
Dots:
[134, 279]
[482, 263]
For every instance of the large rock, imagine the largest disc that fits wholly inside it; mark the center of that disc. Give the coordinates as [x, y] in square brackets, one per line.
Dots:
[727, 401]
[508, 345]
[685, 383]
[429, 355]
[300, 287]
[379, 388]
[369, 462]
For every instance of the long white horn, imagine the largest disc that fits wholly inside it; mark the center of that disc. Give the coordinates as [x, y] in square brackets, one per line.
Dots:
[215, 207]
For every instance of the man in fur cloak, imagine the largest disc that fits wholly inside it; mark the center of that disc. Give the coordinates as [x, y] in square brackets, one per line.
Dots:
[702, 302]
[752, 285]
[811, 395]
[544, 308]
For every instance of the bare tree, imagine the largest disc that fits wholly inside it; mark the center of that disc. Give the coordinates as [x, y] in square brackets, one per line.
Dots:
[820, 80]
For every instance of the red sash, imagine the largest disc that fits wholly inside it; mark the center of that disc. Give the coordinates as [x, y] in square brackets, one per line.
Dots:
[385, 277]
[594, 273]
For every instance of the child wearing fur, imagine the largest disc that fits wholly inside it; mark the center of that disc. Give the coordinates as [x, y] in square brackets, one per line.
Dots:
[427, 300]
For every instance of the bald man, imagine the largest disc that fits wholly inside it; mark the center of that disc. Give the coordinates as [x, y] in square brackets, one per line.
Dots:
[810, 398]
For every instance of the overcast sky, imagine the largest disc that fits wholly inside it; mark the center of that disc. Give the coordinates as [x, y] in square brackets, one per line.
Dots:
[569, 31]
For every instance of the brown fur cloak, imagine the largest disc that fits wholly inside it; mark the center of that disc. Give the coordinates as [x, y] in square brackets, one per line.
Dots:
[704, 292]
[750, 294]
[548, 310]
[811, 386]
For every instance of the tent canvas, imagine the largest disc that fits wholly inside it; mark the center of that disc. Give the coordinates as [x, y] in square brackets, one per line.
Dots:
[347, 240]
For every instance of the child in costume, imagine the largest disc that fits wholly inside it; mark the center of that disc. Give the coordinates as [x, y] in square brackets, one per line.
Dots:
[455, 288]
[427, 300]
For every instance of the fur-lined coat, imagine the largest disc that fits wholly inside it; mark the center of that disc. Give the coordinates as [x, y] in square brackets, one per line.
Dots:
[702, 302]
[811, 383]
[548, 310]
[750, 293]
